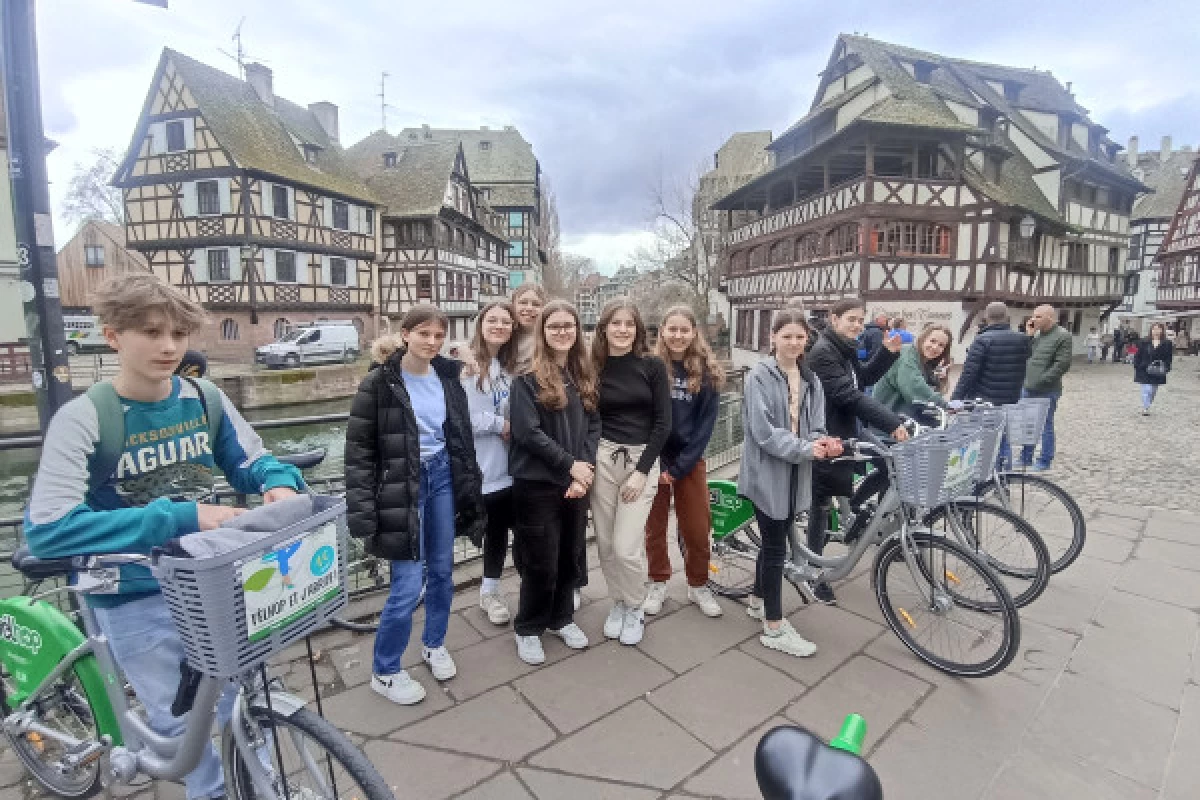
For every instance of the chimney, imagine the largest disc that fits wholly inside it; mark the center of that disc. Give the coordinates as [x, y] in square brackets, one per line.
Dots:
[509, 128]
[1187, 148]
[483, 127]
[428, 134]
[326, 114]
[259, 77]
[1164, 150]
[1131, 154]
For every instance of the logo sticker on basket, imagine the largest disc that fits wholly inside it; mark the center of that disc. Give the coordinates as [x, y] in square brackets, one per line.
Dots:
[961, 465]
[285, 584]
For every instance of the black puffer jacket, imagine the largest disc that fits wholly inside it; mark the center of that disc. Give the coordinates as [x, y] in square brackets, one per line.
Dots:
[995, 367]
[1147, 354]
[383, 462]
[835, 361]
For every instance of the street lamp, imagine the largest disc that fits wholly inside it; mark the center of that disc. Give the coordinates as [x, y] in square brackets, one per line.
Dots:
[1027, 226]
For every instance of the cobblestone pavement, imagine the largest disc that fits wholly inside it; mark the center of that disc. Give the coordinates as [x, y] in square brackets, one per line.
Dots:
[1102, 702]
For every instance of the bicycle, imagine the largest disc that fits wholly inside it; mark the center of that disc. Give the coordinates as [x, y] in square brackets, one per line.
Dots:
[68, 715]
[931, 589]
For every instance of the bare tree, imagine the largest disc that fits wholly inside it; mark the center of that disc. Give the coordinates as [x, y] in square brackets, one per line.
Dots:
[562, 271]
[90, 193]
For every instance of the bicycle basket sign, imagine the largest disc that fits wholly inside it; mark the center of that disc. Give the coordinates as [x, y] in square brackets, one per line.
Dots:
[962, 464]
[287, 583]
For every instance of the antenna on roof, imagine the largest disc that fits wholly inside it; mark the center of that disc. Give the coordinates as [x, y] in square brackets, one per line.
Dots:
[383, 99]
[240, 55]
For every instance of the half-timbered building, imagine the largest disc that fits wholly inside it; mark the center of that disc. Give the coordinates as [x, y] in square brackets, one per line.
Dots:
[1179, 257]
[931, 186]
[245, 200]
[441, 242]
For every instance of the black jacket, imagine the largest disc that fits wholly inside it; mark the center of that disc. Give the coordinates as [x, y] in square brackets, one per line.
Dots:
[383, 462]
[872, 340]
[995, 367]
[835, 362]
[546, 443]
[1147, 354]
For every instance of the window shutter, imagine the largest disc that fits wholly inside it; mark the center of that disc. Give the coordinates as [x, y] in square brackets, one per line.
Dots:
[268, 201]
[269, 266]
[235, 264]
[199, 262]
[223, 195]
[351, 273]
[157, 132]
[189, 199]
[328, 203]
[292, 203]
[326, 271]
[189, 133]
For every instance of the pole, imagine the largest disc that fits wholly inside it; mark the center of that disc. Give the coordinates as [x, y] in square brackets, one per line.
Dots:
[31, 210]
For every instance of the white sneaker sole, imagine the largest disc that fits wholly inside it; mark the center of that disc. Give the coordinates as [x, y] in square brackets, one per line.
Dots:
[709, 612]
[755, 613]
[382, 690]
[443, 676]
[531, 660]
[775, 643]
[574, 644]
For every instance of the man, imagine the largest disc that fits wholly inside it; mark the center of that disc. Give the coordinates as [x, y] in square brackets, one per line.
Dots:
[1049, 360]
[834, 360]
[1119, 344]
[995, 367]
[900, 328]
[872, 337]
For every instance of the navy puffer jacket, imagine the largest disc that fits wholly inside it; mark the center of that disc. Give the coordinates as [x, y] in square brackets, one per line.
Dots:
[995, 367]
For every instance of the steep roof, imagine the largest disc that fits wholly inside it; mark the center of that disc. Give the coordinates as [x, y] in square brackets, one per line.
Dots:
[1167, 177]
[507, 159]
[743, 153]
[416, 186]
[114, 233]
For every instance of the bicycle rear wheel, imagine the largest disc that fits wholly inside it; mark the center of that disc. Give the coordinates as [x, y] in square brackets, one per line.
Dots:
[734, 556]
[927, 607]
[1047, 507]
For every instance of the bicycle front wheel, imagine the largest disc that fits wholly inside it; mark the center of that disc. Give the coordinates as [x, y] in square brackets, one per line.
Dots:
[734, 557]
[319, 762]
[1047, 507]
[947, 607]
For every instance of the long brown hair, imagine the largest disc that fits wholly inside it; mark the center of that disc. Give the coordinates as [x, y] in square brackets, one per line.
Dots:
[600, 339]
[698, 359]
[790, 316]
[506, 355]
[928, 331]
[387, 344]
[552, 392]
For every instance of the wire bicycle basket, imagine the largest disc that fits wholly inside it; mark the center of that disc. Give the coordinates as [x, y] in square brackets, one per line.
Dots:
[990, 422]
[934, 468]
[1026, 420]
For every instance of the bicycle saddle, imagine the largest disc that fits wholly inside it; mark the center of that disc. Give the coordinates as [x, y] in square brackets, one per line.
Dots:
[38, 569]
[792, 764]
[306, 460]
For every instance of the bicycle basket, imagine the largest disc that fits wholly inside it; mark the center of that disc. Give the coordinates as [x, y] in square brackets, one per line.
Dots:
[935, 467]
[990, 423]
[234, 610]
[1026, 420]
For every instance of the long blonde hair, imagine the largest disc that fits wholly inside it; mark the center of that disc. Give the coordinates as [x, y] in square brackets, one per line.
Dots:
[507, 354]
[552, 392]
[698, 360]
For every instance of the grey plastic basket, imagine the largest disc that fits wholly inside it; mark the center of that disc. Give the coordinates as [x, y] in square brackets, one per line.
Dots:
[1026, 419]
[990, 422]
[205, 598]
[936, 467]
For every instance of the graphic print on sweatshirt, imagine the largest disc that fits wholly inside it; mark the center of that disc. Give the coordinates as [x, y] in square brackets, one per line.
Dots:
[679, 388]
[172, 461]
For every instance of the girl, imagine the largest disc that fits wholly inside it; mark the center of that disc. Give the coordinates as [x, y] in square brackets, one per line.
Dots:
[696, 381]
[1151, 364]
[555, 432]
[783, 414]
[528, 300]
[635, 420]
[412, 485]
[917, 375]
[491, 361]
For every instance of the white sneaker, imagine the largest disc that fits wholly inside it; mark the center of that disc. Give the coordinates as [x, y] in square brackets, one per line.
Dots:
[703, 597]
[399, 688]
[654, 598]
[633, 626]
[755, 609]
[578, 599]
[572, 636]
[615, 621]
[440, 663]
[529, 650]
[494, 606]
[786, 640]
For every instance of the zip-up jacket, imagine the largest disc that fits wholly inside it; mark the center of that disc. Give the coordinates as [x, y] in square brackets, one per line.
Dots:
[545, 443]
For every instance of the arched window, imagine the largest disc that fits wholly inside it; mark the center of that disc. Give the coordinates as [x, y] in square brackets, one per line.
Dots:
[910, 239]
[282, 326]
[843, 240]
[229, 330]
[808, 248]
[781, 252]
[757, 257]
[737, 262]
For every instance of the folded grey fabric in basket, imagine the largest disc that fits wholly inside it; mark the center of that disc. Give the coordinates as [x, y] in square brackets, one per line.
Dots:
[248, 528]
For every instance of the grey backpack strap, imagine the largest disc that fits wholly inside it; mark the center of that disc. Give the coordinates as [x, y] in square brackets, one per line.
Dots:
[214, 409]
[110, 418]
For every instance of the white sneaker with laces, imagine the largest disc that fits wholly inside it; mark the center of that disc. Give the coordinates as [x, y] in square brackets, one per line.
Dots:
[529, 650]
[755, 610]
[654, 598]
[703, 597]
[615, 621]
[633, 626]
[572, 636]
[494, 606]
[440, 663]
[399, 688]
[786, 640]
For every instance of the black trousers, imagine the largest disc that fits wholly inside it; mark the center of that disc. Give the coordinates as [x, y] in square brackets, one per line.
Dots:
[829, 481]
[499, 506]
[549, 532]
[768, 569]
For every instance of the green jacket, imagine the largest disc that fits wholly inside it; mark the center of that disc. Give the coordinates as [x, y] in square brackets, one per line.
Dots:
[904, 384]
[1049, 360]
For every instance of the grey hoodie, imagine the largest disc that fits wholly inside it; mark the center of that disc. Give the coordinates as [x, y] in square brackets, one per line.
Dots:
[489, 411]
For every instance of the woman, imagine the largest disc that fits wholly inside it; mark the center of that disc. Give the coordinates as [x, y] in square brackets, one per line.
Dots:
[528, 300]
[555, 432]
[1151, 364]
[412, 486]
[490, 363]
[635, 420]
[783, 414]
[696, 381]
[918, 374]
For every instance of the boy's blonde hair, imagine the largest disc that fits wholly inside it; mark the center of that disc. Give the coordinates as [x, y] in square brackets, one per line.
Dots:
[125, 301]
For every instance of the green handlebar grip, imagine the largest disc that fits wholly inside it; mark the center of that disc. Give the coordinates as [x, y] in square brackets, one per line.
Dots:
[850, 739]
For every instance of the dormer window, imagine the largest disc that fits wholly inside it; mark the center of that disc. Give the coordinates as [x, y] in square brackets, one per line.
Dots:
[412, 137]
[389, 159]
[310, 153]
[923, 71]
[485, 145]
[1012, 91]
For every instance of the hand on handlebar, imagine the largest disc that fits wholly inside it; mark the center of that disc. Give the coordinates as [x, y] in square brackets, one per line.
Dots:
[900, 434]
[278, 493]
[827, 447]
[209, 516]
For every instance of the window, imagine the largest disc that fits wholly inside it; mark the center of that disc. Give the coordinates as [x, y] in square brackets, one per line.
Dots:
[487, 194]
[218, 268]
[175, 138]
[808, 248]
[310, 153]
[279, 202]
[1135, 247]
[369, 216]
[389, 159]
[229, 330]
[910, 239]
[516, 219]
[485, 145]
[341, 215]
[843, 240]
[285, 266]
[744, 336]
[282, 326]
[1077, 323]
[1114, 260]
[781, 253]
[764, 329]
[923, 71]
[1077, 256]
[93, 255]
[337, 271]
[757, 257]
[516, 248]
[424, 287]
[208, 198]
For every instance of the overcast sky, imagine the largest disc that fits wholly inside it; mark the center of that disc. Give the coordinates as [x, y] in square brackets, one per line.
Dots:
[611, 93]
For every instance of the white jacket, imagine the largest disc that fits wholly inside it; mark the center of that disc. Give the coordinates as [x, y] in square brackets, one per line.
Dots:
[489, 412]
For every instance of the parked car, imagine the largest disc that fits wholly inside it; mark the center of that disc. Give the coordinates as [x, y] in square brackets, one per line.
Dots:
[317, 343]
[84, 335]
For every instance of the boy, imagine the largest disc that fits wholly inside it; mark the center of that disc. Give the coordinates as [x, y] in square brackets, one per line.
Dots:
[152, 490]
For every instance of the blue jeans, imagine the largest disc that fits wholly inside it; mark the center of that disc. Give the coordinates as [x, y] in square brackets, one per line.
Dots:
[1047, 432]
[1148, 392]
[149, 652]
[435, 570]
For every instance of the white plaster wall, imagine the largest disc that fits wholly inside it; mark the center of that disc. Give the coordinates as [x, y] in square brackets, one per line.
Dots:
[964, 113]
[1046, 123]
[1035, 154]
[1049, 183]
[849, 112]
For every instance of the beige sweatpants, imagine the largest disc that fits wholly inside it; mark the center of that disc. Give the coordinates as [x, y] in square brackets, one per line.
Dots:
[621, 527]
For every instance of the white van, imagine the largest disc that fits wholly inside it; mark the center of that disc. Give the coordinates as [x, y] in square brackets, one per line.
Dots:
[313, 343]
[84, 335]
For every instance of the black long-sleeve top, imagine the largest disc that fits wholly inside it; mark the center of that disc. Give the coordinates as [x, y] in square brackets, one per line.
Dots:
[635, 405]
[545, 443]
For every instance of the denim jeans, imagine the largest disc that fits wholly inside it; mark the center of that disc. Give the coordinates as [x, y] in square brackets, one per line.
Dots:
[434, 569]
[1047, 455]
[149, 652]
[1148, 392]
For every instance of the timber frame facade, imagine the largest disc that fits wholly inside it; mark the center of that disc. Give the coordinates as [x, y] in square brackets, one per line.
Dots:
[1179, 273]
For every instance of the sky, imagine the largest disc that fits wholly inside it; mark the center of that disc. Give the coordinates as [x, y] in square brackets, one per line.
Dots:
[615, 96]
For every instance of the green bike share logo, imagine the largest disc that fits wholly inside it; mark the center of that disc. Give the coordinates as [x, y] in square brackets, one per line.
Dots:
[285, 584]
[20, 635]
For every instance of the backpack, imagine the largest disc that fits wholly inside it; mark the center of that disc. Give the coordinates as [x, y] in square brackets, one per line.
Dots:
[110, 416]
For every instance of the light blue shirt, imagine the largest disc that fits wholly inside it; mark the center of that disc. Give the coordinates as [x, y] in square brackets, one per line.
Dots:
[429, 407]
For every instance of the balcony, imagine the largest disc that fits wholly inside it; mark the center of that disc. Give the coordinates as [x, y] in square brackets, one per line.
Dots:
[1017, 252]
[1024, 286]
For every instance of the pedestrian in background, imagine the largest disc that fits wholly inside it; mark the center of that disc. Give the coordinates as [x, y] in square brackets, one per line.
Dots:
[1152, 363]
[1183, 342]
[1119, 343]
[1049, 361]
[1106, 342]
[900, 327]
[1092, 343]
